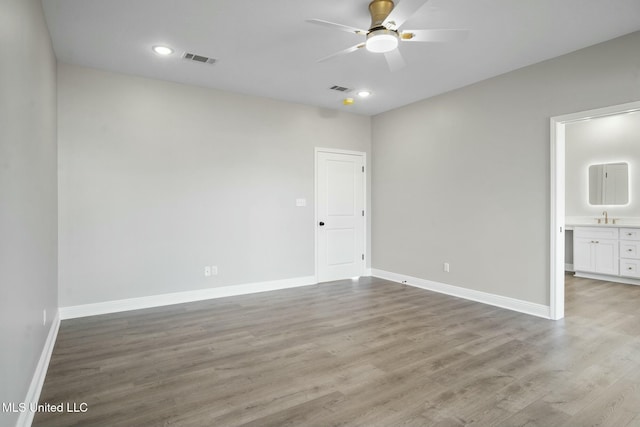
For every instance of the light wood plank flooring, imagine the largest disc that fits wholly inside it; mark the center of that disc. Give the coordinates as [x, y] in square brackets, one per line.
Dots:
[362, 353]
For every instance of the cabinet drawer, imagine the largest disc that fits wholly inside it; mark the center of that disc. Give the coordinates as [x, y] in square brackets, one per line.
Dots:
[596, 232]
[629, 249]
[630, 267]
[630, 234]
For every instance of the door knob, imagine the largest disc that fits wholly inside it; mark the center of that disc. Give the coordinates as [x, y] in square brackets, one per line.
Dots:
[321, 223]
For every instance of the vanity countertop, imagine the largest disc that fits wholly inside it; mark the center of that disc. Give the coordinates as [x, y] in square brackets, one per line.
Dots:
[571, 226]
[592, 221]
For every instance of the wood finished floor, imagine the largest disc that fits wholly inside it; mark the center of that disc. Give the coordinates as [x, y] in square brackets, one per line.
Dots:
[365, 353]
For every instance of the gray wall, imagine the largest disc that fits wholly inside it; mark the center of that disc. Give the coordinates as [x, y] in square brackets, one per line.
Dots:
[464, 177]
[28, 207]
[159, 179]
[603, 140]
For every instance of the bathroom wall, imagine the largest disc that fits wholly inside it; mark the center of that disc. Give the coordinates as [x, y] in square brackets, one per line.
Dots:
[609, 139]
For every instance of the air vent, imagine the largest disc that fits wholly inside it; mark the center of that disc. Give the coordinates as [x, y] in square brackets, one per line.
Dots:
[340, 88]
[198, 58]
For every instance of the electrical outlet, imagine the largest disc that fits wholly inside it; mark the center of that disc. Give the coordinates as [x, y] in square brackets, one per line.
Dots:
[214, 270]
[207, 271]
[446, 267]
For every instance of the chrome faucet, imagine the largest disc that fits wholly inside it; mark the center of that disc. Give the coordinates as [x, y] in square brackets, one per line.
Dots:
[606, 217]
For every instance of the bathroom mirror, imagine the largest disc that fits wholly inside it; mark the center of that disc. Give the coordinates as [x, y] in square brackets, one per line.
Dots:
[609, 184]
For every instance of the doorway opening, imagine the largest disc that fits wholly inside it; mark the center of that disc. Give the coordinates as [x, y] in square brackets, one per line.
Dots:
[557, 202]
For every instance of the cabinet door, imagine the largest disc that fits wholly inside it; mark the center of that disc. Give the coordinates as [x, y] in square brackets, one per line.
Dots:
[583, 254]
[606, 256]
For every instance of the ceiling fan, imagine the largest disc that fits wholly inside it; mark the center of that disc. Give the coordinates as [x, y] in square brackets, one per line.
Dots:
[384, 34]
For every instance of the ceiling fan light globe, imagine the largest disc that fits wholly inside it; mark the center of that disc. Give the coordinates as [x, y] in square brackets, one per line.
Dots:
[381, 41]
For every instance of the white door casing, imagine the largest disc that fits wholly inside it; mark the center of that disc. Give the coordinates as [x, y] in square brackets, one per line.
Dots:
[340, 214]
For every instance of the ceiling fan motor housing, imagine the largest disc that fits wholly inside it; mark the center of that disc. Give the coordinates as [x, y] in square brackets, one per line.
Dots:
[379, 10]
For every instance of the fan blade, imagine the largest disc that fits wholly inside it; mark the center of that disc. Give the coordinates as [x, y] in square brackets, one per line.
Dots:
[401, 12]
[434, 35]
[395, 61]
[342, 52]
[338, 26]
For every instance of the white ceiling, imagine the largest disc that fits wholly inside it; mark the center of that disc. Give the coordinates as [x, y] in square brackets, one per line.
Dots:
[266, 48]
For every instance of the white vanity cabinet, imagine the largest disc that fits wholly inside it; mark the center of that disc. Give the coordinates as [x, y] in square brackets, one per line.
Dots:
[596, 250]
[630, 252]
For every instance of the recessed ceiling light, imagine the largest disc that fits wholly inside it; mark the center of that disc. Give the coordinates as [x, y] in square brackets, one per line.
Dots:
[364, 93]
[162, 50]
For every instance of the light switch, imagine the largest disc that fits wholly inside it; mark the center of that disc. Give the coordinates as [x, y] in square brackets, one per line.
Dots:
[301, 202]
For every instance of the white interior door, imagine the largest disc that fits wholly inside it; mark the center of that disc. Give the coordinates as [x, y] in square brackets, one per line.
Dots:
[340, 215]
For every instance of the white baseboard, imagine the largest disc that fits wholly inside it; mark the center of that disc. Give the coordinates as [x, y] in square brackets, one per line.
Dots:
[367, 272]
[37, 381]
[106, 307]
[526, 307]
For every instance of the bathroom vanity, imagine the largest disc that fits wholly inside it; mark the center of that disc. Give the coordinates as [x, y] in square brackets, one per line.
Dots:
[607, 252]
[604, 245]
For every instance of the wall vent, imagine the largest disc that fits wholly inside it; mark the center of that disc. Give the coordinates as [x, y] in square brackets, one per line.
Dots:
[340, 88]
[198, 58]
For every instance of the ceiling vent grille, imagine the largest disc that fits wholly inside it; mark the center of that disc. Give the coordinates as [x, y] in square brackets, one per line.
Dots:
[198, 58]
[340, 88]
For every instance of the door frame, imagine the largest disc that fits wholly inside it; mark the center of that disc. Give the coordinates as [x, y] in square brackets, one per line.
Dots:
[557, 201]
[315, 202]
